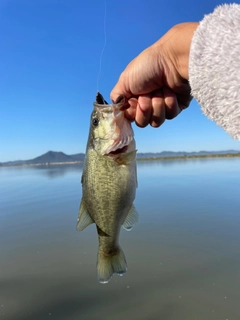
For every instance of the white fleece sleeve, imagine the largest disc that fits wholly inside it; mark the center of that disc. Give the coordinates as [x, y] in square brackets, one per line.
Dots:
[214, 67]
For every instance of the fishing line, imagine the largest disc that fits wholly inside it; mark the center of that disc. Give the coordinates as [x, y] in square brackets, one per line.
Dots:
[105, 41]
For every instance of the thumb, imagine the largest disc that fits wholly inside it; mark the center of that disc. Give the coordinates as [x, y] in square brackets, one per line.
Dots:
[115, 93]
[121, 88]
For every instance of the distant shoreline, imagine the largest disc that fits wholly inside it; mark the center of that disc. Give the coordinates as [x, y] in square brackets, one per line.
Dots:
[40, 164]
[186, 157]
[228, 155]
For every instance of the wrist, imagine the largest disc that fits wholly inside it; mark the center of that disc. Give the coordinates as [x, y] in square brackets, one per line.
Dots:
[175, 46]
[181, 43]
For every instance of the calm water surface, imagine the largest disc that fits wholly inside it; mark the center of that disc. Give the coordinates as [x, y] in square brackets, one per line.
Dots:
[183, 256]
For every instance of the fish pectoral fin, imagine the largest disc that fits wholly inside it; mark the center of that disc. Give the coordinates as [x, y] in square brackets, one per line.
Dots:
[84, 218]
[131, 219]
[82, 179]
[126, 158]
[136, 177]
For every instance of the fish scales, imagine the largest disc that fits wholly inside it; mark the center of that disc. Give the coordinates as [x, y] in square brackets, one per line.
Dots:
[108, 189]
[109, 183]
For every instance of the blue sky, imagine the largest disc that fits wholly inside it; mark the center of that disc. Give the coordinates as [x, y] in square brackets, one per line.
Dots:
[49, 64]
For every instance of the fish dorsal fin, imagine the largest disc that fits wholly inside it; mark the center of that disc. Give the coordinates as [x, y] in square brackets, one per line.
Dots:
[131, 219]
[126, 158]
[84, 218]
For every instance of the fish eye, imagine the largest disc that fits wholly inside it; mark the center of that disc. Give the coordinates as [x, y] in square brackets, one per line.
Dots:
[95, 122]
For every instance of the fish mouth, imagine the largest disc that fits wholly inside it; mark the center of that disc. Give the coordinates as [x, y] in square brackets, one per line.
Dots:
[120, 135]
[121, 103]
[119, 150]
[121, 144]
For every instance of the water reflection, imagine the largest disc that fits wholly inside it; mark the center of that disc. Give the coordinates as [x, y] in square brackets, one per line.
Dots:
[56, 171]
[183, 255]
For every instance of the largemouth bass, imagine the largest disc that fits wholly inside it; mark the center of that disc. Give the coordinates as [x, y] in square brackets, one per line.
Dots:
[109, 182]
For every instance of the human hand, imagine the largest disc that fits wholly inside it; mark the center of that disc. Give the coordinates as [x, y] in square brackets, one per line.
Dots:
[156, 82]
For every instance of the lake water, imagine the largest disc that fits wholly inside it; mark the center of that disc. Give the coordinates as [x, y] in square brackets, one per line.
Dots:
[183, 256]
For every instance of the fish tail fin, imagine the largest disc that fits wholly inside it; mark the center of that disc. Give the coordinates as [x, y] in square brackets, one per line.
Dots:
[107, 265]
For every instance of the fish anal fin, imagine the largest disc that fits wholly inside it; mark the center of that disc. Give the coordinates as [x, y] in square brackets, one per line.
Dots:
[131, 219]
[84, 218]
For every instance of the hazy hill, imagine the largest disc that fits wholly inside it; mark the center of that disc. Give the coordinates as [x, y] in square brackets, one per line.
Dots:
[52, 157]
[48, 158]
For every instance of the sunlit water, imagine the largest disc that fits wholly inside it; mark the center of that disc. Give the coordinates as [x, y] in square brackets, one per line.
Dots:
[183, 256]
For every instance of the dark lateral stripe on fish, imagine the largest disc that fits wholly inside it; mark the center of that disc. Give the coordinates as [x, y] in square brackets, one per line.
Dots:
[101, 233]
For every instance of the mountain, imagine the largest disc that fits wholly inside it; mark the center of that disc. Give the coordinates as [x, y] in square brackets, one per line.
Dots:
[53, 157]
[48, 158]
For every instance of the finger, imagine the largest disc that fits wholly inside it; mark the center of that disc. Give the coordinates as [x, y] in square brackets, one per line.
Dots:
[144, 110]
[121, 87]
[115, 94]
[117, 90]
[158, 109]
[185, 102]
[130, 113]
[172, 108]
